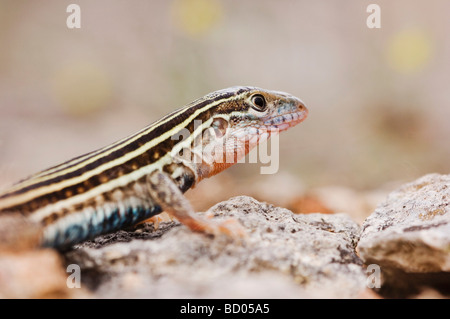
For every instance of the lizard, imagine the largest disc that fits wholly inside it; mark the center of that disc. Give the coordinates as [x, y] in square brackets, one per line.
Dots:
[138, 177]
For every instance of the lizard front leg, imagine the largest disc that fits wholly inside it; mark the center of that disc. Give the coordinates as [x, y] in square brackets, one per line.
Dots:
[169, 197]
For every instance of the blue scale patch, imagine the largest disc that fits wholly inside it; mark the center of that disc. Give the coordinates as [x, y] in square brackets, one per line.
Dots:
[63, 236]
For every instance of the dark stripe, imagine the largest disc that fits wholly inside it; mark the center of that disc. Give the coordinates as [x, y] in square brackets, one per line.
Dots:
[82, 158]
[144, 159]
[161, 148]
[41, 174]
[200, 103]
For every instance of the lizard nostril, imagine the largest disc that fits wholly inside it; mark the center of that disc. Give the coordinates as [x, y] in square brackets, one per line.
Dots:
[302, 107]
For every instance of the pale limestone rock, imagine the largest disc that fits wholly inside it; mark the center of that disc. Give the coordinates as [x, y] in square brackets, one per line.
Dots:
[284, 256]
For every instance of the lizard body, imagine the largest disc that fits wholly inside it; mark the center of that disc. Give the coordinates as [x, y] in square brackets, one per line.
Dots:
[139, 176]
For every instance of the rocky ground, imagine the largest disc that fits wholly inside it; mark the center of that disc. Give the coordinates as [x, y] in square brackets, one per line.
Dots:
[401, 250]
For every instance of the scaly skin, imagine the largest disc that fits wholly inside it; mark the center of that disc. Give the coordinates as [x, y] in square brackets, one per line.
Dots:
[136, 178]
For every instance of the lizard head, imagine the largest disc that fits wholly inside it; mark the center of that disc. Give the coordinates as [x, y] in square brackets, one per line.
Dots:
[258, 109]
[242, 118]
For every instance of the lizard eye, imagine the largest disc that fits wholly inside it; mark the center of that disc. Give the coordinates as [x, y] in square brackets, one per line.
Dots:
[259, 103]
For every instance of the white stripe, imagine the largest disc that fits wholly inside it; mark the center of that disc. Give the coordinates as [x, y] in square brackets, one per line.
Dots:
[122, 181]
[21, 198]
[136, 136]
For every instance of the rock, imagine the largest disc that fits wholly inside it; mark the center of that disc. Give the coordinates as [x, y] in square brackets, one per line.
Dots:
[28, 272]
[35, 274]
[408, 236]
[26, 234]
[277, 189]
[357, 204]
[285, 256]
[308, 204]
[411, 229]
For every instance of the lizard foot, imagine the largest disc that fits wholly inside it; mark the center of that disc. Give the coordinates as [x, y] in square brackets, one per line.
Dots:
[157, 219]
[229, 227]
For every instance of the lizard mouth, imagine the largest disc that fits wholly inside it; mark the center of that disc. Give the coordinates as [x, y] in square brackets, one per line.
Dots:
[271, 125]
[284, 121]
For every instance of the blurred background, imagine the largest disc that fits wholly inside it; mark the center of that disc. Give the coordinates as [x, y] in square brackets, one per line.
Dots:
[378, 98]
